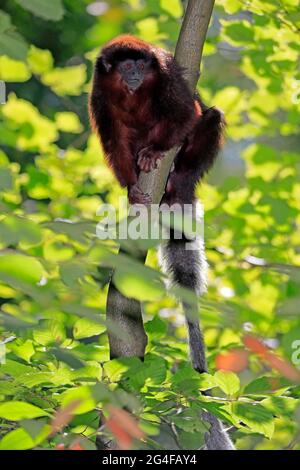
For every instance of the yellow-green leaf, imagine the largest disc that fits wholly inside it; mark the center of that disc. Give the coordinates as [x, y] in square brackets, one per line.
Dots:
[227, 381]
[173, 7]
[68, 122]
[17, 410]
[13, 70]
[39, 60]
[67, 80]
[18, 266]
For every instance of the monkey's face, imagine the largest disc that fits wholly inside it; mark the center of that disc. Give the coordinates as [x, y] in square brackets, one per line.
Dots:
[133, 72]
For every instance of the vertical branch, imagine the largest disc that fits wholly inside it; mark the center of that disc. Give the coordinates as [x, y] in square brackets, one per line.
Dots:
[192, 36]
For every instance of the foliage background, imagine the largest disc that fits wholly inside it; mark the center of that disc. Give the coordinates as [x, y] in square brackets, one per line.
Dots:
[53, 270]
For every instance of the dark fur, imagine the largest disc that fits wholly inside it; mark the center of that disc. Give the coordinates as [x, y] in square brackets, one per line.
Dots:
[161, 114]
[135, 130]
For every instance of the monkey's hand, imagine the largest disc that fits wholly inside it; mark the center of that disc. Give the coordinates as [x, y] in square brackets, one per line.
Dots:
[148, 159]
[136, 196]
[213, 116]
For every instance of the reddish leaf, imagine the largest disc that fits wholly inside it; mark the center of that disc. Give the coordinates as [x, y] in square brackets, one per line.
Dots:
[63, 416]
[60, 447]
[284, 367]
[76, 446]
[123, 438]
[123, 426]
[235, 360]
[255, 345]
[126, 420]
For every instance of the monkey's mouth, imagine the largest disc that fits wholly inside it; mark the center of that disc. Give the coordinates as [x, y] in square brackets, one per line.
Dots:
[133, 84]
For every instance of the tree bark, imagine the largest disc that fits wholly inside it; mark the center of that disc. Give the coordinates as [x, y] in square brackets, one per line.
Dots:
[126, 313]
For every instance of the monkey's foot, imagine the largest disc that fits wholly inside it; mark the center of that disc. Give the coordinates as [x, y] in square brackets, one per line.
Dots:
[148, 159]
[136, 196]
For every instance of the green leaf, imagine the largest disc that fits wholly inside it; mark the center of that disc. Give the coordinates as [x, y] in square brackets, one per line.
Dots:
[140, 284]
[189, 421]
[84, 328]
[17, 410]
[186, 380]
[35, 427]
[36, 131]
[52, 10]
[72, 272]
[256, 417]
[23, 349]
[68, 122]
[6, 179]
[91, 370]
[76, 231]
[116, 368]
[81, 394]
[281, 406]
[231, 6]
[5, 22]
[39, 60]
[21, 267]
[4, 161]
[7, 388]
[173, 7]
[15, 369]
[227, 381]
[148, 29]
[13, 70]
[21, 439]
[85, 312]
[67, 357]
[18, 229]
[218, 409]
[191, 440]
[51, 332]
[151, 372]
[156, 328]
[33, 379]
[238, 32]
[67, 80]
[265, 385]
[13, 45]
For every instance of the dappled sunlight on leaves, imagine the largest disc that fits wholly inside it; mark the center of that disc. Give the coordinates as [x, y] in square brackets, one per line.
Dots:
[58, 376]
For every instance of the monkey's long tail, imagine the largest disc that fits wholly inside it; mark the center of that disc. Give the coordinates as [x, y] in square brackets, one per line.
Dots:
[186, 266]
[185, 263]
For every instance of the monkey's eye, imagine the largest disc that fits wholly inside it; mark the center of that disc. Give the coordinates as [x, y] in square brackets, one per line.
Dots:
[128, 66]
[141, 65]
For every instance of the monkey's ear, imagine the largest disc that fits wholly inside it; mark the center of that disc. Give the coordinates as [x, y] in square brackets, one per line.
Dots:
[103, 64]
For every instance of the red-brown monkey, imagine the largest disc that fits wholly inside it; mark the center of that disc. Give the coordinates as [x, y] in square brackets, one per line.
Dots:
[141, 106]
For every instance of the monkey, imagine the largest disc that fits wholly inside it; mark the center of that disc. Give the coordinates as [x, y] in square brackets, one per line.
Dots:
[141, 106]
